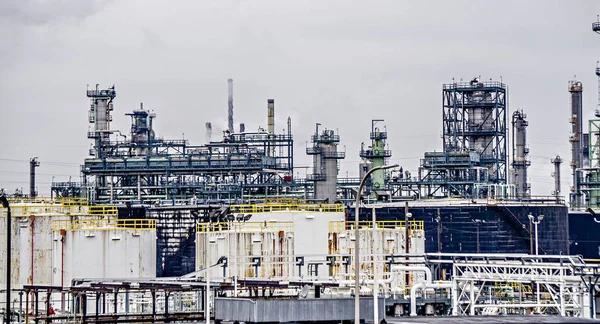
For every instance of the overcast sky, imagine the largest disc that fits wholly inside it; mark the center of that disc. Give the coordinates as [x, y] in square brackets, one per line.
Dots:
[339, 63]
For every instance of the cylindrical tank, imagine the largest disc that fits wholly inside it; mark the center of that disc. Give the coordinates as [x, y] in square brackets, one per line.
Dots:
[364, 167]
[101, 117]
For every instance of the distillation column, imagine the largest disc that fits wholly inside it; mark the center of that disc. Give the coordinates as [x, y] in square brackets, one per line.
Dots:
[33, 163]
[474, 119]
[100, 116]
[375, 155]
[271, 125]
[556, 174]
[576, 120]
[520, 151]
[325, 164]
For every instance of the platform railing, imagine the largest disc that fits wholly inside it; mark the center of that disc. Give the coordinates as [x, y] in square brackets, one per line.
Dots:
[338, 226]
[265, 208]
[104, 224]
[245, 227]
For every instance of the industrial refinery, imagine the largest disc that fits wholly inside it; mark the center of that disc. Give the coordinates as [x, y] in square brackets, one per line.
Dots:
[163, 230]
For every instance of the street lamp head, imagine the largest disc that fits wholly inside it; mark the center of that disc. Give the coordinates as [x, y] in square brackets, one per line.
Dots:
[540, 217]
[409, 215]
[4, 201]
[384, 167]
[530, 216]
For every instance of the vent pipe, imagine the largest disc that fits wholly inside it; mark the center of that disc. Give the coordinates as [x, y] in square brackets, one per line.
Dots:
[230, 106]
[208, 132]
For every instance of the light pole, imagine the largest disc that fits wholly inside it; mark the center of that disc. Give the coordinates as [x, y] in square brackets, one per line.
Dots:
[535, 223]
[407, 215]
[6, 205]
[207, 301]
[356, 240]
[478, 223]
[438, 220]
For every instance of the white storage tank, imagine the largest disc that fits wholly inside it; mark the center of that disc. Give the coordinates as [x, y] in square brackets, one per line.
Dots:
[107, 248]
[31, 236]
[285, 230]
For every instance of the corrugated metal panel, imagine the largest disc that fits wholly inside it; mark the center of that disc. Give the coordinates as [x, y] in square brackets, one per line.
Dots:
[292, 310]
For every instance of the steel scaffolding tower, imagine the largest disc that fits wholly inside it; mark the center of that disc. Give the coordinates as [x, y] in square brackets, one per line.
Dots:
[474, 119]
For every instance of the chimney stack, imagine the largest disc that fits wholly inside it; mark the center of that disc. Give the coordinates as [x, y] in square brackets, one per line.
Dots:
[230, 106]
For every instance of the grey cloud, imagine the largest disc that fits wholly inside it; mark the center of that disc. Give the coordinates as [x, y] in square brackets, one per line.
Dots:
[40, 12]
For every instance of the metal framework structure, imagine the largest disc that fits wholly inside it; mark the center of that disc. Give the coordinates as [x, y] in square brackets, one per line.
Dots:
[588, 179]
[146, 168]
[473, 162]
[558, 281]
[474, 119]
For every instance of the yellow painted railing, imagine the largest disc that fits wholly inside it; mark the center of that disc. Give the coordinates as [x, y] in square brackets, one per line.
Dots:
[104, 224]
[246, 227]
[265, 208]
[293, 201]
[67, 201]
[50, 209]
[338, 226]
[102, 210]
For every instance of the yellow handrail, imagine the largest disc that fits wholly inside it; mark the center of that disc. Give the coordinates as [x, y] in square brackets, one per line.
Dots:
[271, 207]
[63, 201]
[339, 226]
[102, 210]
[104, 224]
[246, 227]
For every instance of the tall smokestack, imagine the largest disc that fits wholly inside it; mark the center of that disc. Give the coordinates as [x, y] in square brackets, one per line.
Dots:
[208, 132]
[230, 106]
[576, 120]
[271, 116]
